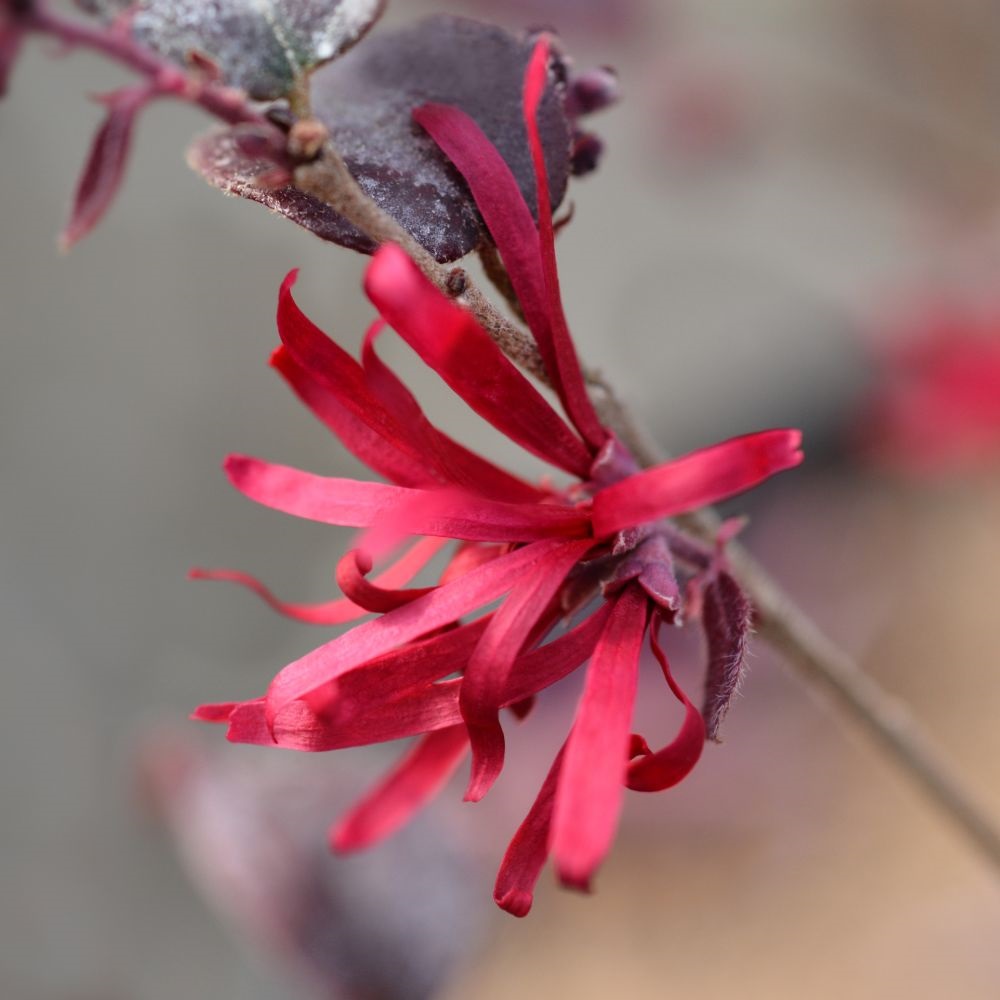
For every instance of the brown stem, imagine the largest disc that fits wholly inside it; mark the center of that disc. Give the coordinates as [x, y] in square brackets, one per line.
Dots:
[499, 278]
[226, 103]
[329, 180]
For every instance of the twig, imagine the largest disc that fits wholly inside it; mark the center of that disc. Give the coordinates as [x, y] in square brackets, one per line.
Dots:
[226, 103]
[784, 625]
[329, 180]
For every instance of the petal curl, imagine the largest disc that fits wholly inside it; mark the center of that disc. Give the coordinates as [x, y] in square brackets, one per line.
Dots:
[342, 610]
[655, 772]
[445, 605]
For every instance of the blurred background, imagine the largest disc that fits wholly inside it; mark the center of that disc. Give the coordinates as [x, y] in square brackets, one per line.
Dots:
[794, 194]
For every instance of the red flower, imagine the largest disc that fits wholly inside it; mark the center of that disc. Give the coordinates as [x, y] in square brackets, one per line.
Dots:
[935, 407]
[547, 551]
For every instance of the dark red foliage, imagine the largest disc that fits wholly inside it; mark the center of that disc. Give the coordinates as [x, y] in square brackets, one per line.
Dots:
[105, 168]
[366, 99]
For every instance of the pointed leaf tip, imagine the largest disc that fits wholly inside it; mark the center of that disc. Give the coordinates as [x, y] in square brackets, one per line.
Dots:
[105, 167]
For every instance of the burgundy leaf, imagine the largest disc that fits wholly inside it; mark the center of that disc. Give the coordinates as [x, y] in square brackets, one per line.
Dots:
[366, 100]
[102, 175]
[727, 618]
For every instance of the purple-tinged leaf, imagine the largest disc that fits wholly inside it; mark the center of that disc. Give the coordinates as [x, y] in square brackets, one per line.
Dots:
[366, 100]
[105, 167]
[264, 47]
[727, 617]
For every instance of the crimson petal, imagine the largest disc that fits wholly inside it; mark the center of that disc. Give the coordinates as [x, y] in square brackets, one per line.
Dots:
[386, 455]
[654, 772]
[576, 397]
[696, 480]
[528, 850]
[589, 796]
[356, 504]
[409, 786]
[508, 218]
[450, 341]
[353, 711]
[330, 370]
[446, 604]
[459, 466]
[335, 612]
[352, 572]
[490, 666]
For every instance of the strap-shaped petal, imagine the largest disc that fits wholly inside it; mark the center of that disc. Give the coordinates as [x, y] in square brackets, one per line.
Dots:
[488, 670]
[450, 341]
[355, 504]
[355, 710]
[591, 785]
[407, 788]
[329, 370]
[443, 606]
[514, 890]
[457, 464]
[508, 218]
[696, 480]
[577, 399]
[342, 610]
[655, 772]
[389, 456]
[352, 578]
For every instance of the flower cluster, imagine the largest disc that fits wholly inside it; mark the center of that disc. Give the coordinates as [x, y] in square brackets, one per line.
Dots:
[583, 573]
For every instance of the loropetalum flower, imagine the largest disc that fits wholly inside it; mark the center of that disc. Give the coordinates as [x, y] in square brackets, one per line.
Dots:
[596, 558]
[935, 406]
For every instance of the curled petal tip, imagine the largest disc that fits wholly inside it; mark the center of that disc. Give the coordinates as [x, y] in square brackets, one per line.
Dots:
[516, 902]
[579, 881]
